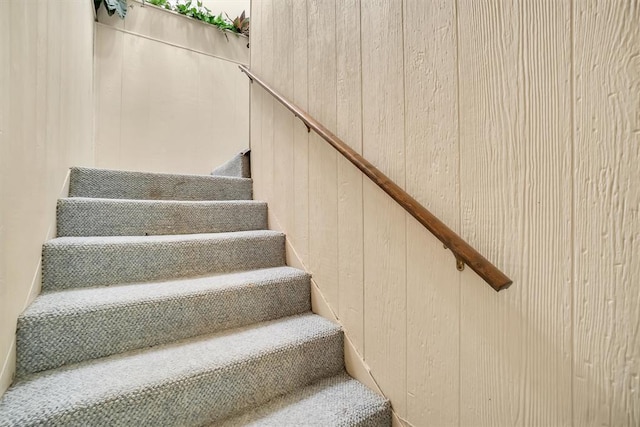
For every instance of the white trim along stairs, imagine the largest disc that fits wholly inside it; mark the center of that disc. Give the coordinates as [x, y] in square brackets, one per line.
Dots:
[166, 301]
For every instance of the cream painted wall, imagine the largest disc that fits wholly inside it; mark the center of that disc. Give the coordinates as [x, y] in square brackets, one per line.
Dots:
[169, 95]
[232, 8]
[46, 126]
[518, 124]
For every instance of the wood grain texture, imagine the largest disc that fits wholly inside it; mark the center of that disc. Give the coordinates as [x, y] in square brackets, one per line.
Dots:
[160, 108]
[606, 359]
[46, 125]
[517, 124]
[323, 186]
[267, 36]
[515, 139]
[300, 234]
[283, 131]
[349, 129]
[431, 129]
[384, 221]
[108, 98]
[256, 95]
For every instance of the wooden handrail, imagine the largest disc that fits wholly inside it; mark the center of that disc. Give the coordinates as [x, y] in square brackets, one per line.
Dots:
[463, 252]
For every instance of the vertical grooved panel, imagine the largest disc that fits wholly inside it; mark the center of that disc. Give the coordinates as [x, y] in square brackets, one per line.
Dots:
[283, 130]
[606, 358]
[384, 220]
[300, 233]
[257, 94]
[323, 187]
[515, 139]
[349, 129]
[46, 126]
[267, 66]
[433, 284]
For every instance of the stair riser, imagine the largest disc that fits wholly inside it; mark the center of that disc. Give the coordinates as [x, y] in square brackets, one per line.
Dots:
[110, 184]
[48, 342]
[77, 217]
[73, 266]
[212, 395]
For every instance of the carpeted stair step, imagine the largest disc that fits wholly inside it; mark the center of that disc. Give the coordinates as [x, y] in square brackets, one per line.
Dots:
[79, 216]
[72, 262]
[74, 325]
[194, 382]
[113, 184]
[338, 401]
[239, 165]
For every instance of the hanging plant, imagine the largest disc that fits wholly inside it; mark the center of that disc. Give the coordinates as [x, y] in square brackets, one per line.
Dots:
[113, 6]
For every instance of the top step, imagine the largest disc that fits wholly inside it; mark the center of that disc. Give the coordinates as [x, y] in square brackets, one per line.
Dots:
[113, 184]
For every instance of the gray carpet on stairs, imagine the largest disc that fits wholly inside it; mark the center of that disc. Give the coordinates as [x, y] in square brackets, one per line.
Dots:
[191, 382]
[238, 166]
[113, 217]
[81, 324]
[337, 401]
[72, 262]
[111, 184]
[166, 302]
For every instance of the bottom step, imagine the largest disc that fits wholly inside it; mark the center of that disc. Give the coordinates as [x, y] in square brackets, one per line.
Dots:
[187, 383]
[334, 401]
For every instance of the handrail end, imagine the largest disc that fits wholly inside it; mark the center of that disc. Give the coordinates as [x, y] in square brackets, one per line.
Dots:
[502, 285]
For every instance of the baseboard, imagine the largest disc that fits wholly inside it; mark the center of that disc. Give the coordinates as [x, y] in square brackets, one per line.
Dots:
[8, 368]
[9, 359]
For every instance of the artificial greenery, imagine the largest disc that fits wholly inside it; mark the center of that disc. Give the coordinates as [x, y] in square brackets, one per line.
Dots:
[239, 25]
[113, 6]
[198, 11]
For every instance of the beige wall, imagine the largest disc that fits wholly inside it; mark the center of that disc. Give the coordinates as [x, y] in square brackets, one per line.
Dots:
[169, 95]
[517, 123]
[46, 126]
[232, 8]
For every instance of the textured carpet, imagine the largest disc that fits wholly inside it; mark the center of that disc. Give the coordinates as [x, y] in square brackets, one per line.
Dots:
[110, 184]
[71, 262]
[338, 401]
[238, 166]
[81, 324]
[186, 383]
[112, 217]
[166, 302]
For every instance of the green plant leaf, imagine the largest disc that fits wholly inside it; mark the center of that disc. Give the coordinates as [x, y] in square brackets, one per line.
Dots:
[119, 6]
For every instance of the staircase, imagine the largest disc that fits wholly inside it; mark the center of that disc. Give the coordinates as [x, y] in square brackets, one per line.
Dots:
[167, 302]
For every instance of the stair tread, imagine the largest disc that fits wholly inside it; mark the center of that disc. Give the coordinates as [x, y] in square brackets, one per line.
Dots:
[69, 326]
[335, 401]
[70, 301]
[81, 199]
[72, 262]
[82, 216]
[130, 376]
[119, 184]
[160, 238]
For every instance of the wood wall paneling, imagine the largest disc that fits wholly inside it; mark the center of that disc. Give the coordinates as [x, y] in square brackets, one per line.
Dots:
[323, 186]
[432, 161]
[164, 108]
[349, 129]
[46, 126]
[267, 67]
[108, 94]
[256, 96]
[606, 317]
[283, 137]
[478, 110]
[300, 233]
[384, 221]
[516, 203]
